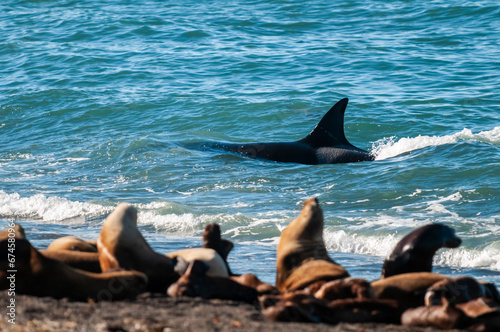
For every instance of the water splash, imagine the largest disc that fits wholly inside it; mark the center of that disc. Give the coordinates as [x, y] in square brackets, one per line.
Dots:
[390, 147]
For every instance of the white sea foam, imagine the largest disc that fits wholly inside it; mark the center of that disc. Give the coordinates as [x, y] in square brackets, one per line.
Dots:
[382, 245]
[391, 147]
[48, 209]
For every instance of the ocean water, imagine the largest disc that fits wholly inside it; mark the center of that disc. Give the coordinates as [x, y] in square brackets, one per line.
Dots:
[98, 98]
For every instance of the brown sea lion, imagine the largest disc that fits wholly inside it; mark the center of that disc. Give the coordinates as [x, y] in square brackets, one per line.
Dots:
[361, 310]
[485, 312]
[121, 245]
[41, 276]
[414, 252]
[295, 306]
[14, 231]
[73, 243]
[302, 257]
[251, 280]
[87, 261]
[195, 282]
[407, 289]
[445, 317]
[343, 289]
[479, 307]
[76, 252]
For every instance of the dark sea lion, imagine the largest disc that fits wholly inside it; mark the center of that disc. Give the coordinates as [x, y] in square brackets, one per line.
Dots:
[41, 276]
[407, 289]
[459, 290]
[302, 258]
[195, 282]
[325, 144]
[415, 251]
[212, 240]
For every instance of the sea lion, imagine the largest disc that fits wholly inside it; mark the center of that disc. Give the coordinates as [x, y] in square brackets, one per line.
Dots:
[73, 243]
[76, 252]
[407, 289]
[459, 290]
[302, 257]
[415, 251]
[13, 231]
[212, 240]
[446, 317]
[41, 276]
[87, 261]
[251, 280]
[361, 310]
[121, 245]
[295, 306]
[214, 252]
[343, 289]
[216, 265]
[196, 282]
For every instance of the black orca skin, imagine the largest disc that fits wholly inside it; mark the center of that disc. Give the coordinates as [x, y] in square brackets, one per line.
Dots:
[325, 144]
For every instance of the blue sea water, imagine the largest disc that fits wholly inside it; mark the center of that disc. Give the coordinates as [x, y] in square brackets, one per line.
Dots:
[97, 99]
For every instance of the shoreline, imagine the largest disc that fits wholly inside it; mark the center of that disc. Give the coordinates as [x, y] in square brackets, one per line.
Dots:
[156, 313]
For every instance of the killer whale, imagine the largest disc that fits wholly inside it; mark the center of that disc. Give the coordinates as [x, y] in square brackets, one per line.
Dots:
[325, 144]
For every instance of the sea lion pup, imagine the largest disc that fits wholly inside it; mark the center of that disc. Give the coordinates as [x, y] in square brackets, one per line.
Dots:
[302, 258]
[41, 276]
[195, 282]
[72, 243]
[407, 289]
[415, 251]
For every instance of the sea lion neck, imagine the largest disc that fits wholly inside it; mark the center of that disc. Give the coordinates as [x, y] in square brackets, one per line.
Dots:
[309, 224]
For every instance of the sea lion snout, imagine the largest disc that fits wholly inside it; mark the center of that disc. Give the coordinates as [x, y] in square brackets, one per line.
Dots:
[452, 241]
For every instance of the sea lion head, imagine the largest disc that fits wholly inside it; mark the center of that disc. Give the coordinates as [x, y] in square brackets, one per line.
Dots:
[415, 251]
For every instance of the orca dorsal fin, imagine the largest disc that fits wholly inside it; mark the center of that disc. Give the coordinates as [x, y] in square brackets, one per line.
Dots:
[330, 130]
